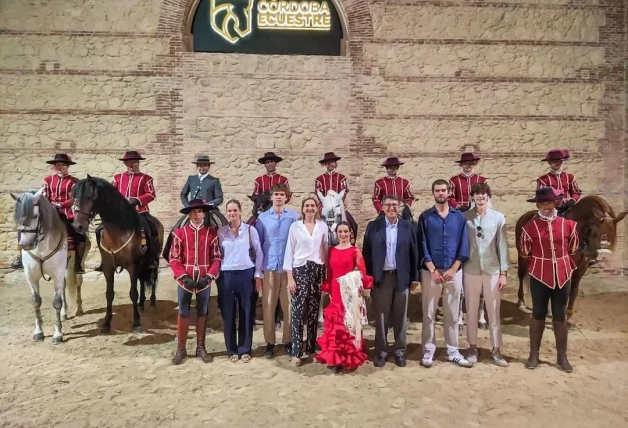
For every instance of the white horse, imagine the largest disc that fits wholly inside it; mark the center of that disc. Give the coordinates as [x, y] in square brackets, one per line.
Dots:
[42, 236]
[332, 212]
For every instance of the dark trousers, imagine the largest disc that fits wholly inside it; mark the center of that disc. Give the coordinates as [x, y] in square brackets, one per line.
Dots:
[185, 300]
[304, 305]
[236, 299]
[391, 310]
[541, 296]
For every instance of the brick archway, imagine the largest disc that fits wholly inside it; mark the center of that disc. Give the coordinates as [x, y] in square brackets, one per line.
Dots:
[175, 20]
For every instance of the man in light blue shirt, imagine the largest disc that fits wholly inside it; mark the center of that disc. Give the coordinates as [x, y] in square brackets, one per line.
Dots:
[273, 227]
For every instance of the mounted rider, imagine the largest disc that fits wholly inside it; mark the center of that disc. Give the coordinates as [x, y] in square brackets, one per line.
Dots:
[206, 187]
[460, 185]
[265, 182]
[560, 179]
[139, 191]
[335, 181]
[58, 190]
[195, 262]
[392, 184]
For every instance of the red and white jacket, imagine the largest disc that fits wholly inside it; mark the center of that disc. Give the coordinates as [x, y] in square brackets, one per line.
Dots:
[549, 245]
[58, 190]
[391, 186]
[334, 181]
[265, 182]
[195, 252]
[560, 181]
[460, 189]
[136, 185]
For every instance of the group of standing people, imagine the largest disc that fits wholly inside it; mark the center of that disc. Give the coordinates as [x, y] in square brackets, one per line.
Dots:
[459, 244]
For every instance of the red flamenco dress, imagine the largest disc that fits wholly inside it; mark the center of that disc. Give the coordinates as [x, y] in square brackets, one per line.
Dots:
[336, 343]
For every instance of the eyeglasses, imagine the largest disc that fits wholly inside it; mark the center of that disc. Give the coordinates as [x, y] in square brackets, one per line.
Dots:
[479, 229]
[391, 205]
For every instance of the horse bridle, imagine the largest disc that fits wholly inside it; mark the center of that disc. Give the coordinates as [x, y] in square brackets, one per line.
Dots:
[36, 231]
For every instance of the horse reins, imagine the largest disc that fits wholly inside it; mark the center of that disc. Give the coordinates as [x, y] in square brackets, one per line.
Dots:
[43, 260]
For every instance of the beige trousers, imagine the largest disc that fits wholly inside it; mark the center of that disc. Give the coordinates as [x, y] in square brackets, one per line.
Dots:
[474, 285]
[275, 286]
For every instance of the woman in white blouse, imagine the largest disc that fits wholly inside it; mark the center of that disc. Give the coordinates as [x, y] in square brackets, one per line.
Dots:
[241, 273]
[304, 262]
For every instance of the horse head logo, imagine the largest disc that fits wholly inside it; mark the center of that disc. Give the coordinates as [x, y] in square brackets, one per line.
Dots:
[221, 15]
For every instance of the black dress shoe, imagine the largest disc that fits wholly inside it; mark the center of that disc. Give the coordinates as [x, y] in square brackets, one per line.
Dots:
[269, 352]
[400, 360]
[380, 362]
[336, 369]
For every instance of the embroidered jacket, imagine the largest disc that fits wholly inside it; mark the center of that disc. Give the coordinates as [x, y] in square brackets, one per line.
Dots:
[460, 189]
[58, 190]
[391, 186]
[136, 185]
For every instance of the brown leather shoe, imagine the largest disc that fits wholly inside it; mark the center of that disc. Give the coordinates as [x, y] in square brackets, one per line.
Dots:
[183, 325]
[201, 352]
[536, 335]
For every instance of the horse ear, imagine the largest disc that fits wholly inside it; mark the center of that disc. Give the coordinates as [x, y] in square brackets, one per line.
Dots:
[15, 198]
[251, 198]
[620, 217]
[320, 196]
[37, 195]
[342, 193]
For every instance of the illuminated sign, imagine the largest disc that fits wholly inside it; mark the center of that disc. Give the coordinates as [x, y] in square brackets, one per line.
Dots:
[293, 15]
[309, 27]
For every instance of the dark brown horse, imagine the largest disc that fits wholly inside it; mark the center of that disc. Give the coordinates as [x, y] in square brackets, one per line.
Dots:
[121, 241]
[598, 235]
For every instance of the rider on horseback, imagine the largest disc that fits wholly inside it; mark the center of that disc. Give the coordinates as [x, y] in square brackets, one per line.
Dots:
[139, 191]
[203, 186]
[265, 182]
[393, 185]
[460, 185]
[335, 181]
[58, 190]
[559, 179]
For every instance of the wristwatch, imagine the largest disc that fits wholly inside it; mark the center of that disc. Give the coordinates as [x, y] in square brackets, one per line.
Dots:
[432, 270]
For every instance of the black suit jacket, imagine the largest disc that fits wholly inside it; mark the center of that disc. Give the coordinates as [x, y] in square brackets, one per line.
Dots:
[208, 190]
[374, 251]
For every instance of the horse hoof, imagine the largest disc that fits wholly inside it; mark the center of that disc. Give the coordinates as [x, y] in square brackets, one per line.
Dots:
[57, 340]
[105, 330]
[483, 326]
[142, 308]
[38, 337]
[153, 303]
[138, 330]
[79, 312]
[64, 317]
[521, 305]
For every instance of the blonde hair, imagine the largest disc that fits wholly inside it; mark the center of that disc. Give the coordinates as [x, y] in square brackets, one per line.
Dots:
[317, 216]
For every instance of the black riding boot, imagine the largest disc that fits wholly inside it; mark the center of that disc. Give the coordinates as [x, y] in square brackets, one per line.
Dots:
[17, 263]
[536, 335]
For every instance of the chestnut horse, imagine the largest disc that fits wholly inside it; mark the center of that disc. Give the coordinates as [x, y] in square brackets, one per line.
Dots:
[598, 236]
[121, 241]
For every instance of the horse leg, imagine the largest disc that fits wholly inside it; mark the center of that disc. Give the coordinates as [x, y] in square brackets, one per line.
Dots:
[108, 271]
[142, 282]
[38, 334]
[521, 273]
[79, 299]
[64, 301]
[153, 287]
[57, 304]
[134, 295]
[573, 294]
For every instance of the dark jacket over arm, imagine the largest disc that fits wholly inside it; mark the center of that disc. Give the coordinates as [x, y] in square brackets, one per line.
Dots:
[209, 190]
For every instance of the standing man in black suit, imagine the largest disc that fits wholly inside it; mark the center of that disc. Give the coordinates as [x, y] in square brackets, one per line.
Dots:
[203, 186]
[390, 253]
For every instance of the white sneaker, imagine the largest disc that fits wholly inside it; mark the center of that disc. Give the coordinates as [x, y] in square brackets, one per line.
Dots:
[472, 355]
[457, 358]
[427, 361]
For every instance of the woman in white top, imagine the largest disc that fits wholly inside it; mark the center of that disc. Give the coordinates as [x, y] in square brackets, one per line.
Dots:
[241, 273]
[304, 262]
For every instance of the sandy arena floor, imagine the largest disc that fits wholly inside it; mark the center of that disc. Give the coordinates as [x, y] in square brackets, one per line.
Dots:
[126, 380]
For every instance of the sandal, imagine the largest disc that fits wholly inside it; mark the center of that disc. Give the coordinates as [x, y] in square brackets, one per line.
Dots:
[233, 358]
[296, 361]
[246, 358]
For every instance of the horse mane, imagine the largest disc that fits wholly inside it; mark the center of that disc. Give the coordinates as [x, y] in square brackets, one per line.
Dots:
[49, 220]
[594, 202]
[108, 203]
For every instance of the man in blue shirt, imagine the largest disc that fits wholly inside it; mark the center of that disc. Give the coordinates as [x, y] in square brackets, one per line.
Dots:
[444, 246]
[273, 227]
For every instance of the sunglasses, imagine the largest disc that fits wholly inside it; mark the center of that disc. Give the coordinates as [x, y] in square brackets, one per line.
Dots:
[480, 235]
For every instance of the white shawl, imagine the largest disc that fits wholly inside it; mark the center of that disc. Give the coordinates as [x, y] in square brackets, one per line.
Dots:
[355, 309]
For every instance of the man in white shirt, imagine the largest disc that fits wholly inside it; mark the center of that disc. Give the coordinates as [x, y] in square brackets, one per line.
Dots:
[486, 270]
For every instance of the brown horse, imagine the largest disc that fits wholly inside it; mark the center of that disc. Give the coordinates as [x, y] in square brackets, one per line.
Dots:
[121, 241]
[598, 235]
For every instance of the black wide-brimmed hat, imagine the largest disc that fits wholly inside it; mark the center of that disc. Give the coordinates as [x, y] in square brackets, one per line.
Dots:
[269, 156]
[556, 154]
[547, 194]
[61, 158]
[468, 157]
[392, 161]
[132, 155]
[329, 157]
[194, 205]
[203, 159]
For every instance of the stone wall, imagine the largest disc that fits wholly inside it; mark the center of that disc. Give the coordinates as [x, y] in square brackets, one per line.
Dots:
[424, 80]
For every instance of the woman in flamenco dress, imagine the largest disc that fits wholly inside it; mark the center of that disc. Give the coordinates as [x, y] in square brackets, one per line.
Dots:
[338, 346]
